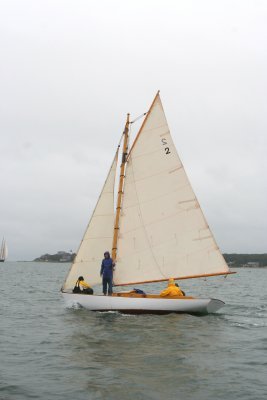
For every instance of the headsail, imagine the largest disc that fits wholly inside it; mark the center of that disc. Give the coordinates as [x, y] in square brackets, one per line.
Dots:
[98, 236]
[163, 232]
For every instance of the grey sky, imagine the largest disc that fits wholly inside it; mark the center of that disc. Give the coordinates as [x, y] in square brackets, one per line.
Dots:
[71, 70]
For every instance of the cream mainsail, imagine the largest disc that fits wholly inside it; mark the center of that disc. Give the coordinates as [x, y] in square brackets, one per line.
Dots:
[98, 236]
[163, 232]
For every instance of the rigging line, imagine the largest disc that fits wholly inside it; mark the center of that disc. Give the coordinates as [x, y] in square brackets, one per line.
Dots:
[129, 138]
[136, 119]
[120, 141]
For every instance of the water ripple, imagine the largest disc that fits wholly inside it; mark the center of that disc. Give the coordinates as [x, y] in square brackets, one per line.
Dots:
[50, 352]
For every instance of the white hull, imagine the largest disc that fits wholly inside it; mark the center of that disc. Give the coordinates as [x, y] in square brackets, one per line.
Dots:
[130, 305]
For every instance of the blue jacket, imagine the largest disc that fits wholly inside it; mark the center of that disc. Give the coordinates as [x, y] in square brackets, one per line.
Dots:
[107, 268]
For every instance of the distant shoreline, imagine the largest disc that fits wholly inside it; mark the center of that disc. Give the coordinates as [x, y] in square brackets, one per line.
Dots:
[246, 260]
[233, 260]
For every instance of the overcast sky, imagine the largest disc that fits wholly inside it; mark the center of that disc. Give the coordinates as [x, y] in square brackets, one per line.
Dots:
[70, 70]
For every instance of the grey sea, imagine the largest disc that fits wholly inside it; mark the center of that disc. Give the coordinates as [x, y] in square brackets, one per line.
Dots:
[51, 352]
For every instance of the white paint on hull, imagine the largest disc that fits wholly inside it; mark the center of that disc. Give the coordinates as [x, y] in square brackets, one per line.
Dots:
[143, 305]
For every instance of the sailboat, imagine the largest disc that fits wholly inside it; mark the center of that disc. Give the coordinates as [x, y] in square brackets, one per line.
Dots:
[3, 251]
[157, 231]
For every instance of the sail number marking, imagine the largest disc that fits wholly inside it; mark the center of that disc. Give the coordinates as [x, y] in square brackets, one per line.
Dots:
[165, 143]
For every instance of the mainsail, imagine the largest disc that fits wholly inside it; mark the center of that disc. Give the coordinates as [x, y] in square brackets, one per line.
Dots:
[163, 232]
[98, 236]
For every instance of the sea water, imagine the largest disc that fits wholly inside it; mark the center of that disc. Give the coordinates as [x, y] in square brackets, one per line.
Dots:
[51, 352]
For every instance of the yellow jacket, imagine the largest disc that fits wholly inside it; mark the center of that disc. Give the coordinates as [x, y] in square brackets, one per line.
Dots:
[171, 290]
[84, 284]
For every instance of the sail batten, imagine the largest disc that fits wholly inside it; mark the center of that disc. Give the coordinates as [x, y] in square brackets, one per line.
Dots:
[163, 232]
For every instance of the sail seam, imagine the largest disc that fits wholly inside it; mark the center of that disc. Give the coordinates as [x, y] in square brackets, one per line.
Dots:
[161, 172]
[144, 228]
[158, 220]
[147, 153]
[181, 188]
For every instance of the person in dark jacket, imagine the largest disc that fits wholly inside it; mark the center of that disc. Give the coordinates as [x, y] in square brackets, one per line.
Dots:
[107, 273]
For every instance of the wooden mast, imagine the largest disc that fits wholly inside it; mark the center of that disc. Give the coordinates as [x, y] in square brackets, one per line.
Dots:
[120, 190]
[125, 156]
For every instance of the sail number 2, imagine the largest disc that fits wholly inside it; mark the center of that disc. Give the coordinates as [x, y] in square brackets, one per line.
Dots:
[165, 143]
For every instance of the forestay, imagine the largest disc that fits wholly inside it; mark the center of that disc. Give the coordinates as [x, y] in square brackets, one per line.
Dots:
[163, 232]
[98, 236]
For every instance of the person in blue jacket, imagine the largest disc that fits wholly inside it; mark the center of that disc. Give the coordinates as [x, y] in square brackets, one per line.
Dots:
[107, 273]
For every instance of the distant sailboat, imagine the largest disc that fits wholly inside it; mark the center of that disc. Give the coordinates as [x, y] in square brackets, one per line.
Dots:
[3, 251]
[158, 231]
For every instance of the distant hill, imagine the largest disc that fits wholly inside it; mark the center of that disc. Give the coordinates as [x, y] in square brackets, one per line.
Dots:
[61, 256]
[246, 260]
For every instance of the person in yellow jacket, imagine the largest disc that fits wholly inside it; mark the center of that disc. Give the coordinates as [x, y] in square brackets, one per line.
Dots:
[172, 290]
[86, 289]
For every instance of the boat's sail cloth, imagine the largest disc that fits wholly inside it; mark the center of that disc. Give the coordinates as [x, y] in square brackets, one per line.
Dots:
[163, 232]
[98, 236]
[3, 250]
